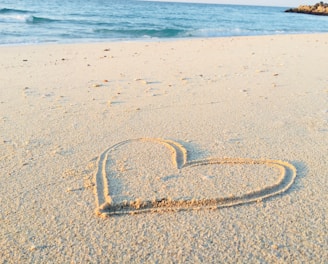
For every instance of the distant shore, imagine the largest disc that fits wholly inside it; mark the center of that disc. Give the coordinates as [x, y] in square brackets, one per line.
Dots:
[320, 9]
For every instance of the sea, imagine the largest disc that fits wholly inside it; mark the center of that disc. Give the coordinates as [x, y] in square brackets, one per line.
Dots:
[56, 21]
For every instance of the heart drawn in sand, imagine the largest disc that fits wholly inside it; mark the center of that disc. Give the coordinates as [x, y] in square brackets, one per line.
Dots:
[151, 175]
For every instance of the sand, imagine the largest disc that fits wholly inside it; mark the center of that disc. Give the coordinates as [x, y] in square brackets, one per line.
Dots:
[184, 151]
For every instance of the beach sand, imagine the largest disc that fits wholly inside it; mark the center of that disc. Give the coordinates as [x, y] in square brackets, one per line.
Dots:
[114, 152]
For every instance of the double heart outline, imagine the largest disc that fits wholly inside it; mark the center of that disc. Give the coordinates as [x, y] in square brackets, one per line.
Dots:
[105, 206]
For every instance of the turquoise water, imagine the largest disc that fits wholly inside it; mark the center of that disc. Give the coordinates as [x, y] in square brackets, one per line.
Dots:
[33, 21]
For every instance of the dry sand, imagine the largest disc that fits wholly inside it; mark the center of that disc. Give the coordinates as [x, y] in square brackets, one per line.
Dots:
[122, 129]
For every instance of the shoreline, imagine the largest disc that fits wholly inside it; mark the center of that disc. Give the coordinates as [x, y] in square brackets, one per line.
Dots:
[151, 40]
[202, 102]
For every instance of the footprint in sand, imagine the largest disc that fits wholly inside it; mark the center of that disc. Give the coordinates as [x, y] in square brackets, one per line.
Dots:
[151, 175]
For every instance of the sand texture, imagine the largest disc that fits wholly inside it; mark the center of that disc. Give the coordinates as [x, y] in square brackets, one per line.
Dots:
[186, 151]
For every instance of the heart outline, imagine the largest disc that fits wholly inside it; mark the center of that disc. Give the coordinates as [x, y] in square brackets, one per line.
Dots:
[105, 207]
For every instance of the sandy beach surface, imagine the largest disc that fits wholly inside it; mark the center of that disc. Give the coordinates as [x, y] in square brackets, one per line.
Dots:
[185, 151]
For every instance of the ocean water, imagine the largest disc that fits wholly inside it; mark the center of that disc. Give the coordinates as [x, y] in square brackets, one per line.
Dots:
[58, 21]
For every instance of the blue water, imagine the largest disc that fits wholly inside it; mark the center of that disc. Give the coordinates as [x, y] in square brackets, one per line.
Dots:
[58, 21]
